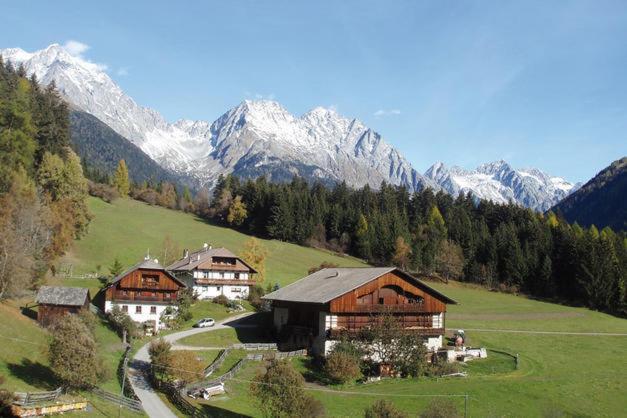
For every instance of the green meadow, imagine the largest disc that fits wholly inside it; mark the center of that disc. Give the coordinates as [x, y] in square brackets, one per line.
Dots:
[559, 375]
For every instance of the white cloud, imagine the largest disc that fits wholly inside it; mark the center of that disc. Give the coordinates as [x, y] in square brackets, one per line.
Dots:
[75, 48]
[386, 112]
[260, 96]
[122, 71]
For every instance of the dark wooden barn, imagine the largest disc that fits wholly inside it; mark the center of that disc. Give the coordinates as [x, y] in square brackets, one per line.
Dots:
[316, 310]
[56, 301]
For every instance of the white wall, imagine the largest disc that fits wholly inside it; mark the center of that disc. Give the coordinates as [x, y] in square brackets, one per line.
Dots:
[142, 317]
[230, 291]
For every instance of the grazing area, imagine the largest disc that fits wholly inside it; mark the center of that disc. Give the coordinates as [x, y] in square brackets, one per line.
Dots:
[114, 224]
[558, 375]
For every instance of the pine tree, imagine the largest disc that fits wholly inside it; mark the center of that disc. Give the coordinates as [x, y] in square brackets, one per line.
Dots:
[120, 179]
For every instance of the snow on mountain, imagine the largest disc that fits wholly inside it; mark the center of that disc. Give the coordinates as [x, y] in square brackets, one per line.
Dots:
[254, 138]
[500, 183]
[262, 138]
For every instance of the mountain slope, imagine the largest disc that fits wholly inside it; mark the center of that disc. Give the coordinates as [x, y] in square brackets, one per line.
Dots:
[253, 138]
[102, 148]
[602, 201]
[499, 182]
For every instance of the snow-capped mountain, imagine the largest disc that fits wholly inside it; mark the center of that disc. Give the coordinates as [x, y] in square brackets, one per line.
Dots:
[254, 138]
[262, 138]
[501, 183]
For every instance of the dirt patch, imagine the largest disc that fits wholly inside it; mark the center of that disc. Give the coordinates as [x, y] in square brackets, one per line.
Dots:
[537, 316]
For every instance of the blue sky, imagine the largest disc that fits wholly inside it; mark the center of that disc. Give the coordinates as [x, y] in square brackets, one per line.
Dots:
[540, 84]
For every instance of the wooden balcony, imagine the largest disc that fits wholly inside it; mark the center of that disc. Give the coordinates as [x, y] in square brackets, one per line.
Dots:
[409, 307]
[223, 282]
[427, 332]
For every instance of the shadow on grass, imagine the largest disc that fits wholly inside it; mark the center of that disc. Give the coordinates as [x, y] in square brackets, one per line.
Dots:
[35, 374]
[214, 411]
[255, 328]
[29, 312]
[311, 369]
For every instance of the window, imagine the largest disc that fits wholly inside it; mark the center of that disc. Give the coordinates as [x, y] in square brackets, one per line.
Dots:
[125, 308]
[138, 309]
[218, 288]
[236, 289]
[205, 288]
[153, 310]
[222, 275]
[150, 280]
[237, 276]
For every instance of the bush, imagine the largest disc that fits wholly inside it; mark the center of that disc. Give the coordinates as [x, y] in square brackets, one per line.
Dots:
[254, 297]
[441, 408]
[280, 392]
[73, 355]
[121, 322]
[6, 398]
[221, 300]
[341, 367]
[383, 409]
[103, 191]
[161, 359]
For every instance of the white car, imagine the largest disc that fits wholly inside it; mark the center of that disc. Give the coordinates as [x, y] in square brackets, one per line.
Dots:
[204, 323]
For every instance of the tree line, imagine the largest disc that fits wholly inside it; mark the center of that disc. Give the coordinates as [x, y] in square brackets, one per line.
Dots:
[42, 187]
[501, 246]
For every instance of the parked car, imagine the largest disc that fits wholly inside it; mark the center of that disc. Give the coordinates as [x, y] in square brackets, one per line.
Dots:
[204, 323]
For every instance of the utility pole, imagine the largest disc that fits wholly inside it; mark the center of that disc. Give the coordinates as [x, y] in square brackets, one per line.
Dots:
[123, 382]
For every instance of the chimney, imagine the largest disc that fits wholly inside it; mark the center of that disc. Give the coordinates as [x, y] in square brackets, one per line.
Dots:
[156, 261]
[206, 246]
[185, 253]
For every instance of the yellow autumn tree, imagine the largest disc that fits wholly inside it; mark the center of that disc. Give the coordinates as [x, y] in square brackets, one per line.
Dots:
[254, 254]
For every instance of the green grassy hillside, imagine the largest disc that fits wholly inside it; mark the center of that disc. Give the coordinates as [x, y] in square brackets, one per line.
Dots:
[126, 229]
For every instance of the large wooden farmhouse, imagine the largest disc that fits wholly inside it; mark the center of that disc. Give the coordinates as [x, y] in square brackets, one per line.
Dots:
[56, 301]
[211, 272]
[316, 310]
[143, 292]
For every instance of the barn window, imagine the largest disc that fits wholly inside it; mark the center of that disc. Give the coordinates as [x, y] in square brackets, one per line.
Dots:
[153, 310]
[138, 309]
[150, 280]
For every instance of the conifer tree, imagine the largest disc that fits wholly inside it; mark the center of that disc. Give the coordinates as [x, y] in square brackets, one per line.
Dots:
[120, 179]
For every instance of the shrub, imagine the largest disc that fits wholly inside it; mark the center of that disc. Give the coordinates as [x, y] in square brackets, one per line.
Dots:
[6, 398]
[186, 367]
[184, 303]
[280, 392]
[103, 191]
[440, 408]
[161, 359]
[341, 367]
[383, 409]
[121, 322]
[73, 355]
[222, 300]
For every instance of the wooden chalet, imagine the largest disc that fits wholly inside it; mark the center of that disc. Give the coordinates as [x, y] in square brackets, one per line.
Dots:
[143, 292]
[212, 272]
[316, 310]
[56, 301]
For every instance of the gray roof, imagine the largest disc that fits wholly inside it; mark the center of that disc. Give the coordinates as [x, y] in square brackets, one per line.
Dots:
[60, 295]
[148, 264]
[200, 256]
[330, 283]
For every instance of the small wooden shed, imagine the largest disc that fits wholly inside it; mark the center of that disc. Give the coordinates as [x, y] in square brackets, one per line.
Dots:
[56, 301]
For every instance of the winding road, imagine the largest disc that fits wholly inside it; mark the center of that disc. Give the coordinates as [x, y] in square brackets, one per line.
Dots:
[140, 365]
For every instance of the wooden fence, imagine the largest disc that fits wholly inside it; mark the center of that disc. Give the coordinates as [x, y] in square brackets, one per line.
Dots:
[34, 398]
[129, 403]
[176, 396]
[217, 362]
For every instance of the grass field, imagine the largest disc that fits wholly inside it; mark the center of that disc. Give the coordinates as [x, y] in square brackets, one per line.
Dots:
[126, 229]
[559, 375]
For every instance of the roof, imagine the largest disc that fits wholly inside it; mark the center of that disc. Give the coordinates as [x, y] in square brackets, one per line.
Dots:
[194, 259]
[60, 295]
[330, 283]
[146, 264]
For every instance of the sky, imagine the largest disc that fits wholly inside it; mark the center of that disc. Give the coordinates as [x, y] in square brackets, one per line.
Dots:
[538, 84]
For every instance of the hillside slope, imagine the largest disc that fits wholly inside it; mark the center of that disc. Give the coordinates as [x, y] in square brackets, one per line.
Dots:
[602, 201]
[101, 147]
[127, 229]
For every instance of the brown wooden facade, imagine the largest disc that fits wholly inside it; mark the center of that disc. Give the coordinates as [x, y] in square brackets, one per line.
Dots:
[144, 285]
[417, 307]
[47, 313]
